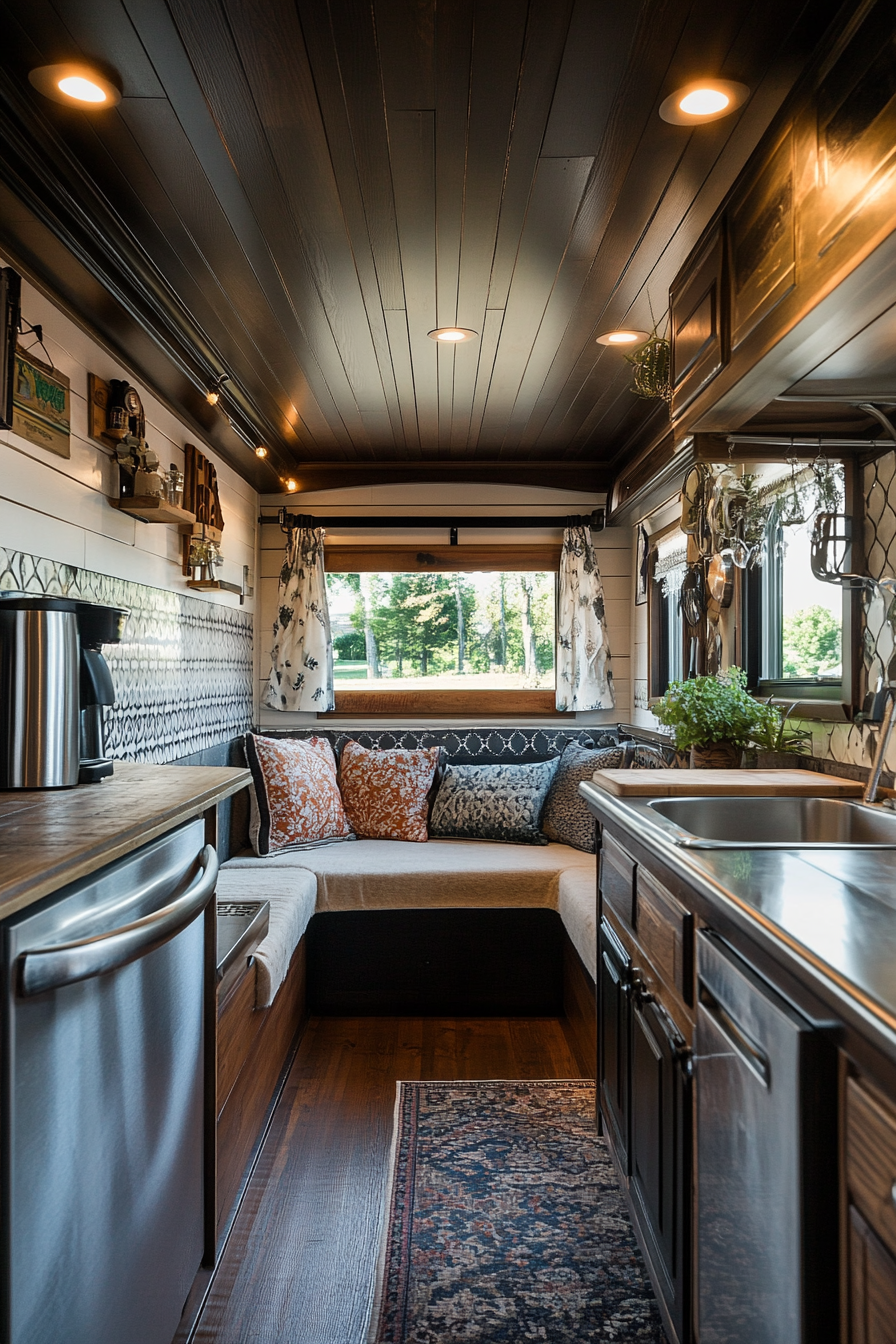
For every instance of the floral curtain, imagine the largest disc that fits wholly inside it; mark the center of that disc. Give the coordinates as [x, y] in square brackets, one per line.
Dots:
[584, 678]
[302, 656]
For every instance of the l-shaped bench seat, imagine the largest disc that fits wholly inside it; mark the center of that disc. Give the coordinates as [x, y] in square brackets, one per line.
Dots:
[402, 875]
[455, 927]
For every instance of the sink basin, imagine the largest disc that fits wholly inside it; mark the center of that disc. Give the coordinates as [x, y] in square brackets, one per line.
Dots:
[775, 823]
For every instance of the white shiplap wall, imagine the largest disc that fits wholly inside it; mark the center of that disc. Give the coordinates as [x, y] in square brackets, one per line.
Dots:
[613, 550]
[58, 508]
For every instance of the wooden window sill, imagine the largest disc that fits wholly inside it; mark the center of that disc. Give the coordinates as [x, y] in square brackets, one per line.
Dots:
[439, 704]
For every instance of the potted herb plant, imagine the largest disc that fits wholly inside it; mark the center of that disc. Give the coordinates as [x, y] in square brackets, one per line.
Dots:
[713, 718]
[774, 738]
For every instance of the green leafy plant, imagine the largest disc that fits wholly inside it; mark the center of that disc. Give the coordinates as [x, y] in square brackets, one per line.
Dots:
[772, 733]
[705, 710]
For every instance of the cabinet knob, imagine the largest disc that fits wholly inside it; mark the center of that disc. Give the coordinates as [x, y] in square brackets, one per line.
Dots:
[641, 992]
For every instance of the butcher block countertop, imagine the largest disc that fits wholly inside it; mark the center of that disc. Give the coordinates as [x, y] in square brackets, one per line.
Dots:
[50, 837]
[729, 783]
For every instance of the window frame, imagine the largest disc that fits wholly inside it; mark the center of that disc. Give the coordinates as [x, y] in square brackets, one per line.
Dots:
[756, 600]
[406, 559]
[659, 675]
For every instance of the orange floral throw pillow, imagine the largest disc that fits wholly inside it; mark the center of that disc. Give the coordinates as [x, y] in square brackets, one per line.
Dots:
[296, 802]
[386, 792]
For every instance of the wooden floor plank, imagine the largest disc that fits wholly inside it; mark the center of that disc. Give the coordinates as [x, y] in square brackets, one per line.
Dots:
[300, 1262]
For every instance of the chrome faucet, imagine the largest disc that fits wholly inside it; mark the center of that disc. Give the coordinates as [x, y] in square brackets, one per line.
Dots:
[883, 741]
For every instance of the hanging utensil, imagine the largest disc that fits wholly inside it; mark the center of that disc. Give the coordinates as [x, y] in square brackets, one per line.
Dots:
[692, 598]
[830, 555]
[720, 578]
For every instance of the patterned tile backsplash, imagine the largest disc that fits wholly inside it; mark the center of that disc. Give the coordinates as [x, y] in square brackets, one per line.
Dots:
[182, 673]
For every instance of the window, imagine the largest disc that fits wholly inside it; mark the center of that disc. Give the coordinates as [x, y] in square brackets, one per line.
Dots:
[413, 631]
[667, 635]
[472, 631]
[793, 622]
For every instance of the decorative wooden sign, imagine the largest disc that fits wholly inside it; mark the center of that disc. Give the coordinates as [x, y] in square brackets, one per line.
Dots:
[41, 400]
[201, 499]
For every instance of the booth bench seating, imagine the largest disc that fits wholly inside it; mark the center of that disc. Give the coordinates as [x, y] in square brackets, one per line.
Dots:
[445, 927]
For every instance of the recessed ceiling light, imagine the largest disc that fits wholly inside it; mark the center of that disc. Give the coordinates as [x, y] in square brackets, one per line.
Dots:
[261, 451]
[452, 335]
[291, 484]
[75, 85]
[703, 100]
[627, 337]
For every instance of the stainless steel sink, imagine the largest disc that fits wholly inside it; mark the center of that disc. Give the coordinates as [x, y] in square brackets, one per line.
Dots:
[774, 823]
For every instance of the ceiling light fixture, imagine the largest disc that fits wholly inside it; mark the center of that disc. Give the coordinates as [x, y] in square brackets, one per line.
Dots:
[452, 335]
[213, 394]
[627, 337]
[75, 85]
[261, 451]
[703, 100]
[291, 484]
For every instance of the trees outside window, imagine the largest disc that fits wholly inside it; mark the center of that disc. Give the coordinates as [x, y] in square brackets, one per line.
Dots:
[492, 630]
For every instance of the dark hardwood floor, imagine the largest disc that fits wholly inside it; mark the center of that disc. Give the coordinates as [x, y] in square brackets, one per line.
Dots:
[300, 1262]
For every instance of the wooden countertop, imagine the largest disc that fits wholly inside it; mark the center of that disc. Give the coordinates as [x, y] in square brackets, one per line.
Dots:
[732, 783]
[50, 837]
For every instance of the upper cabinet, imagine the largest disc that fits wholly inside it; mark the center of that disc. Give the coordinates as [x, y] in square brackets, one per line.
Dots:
[699, 319]
[748, 308]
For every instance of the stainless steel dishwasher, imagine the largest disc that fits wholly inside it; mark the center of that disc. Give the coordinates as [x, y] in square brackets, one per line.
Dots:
[102, 1100]
[766, 1157]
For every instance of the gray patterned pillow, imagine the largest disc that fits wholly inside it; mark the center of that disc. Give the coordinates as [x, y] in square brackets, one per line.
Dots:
[567, 817]
[492, 802]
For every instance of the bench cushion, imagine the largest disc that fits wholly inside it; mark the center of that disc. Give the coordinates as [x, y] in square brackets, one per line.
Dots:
[292, 893]
[404, 875]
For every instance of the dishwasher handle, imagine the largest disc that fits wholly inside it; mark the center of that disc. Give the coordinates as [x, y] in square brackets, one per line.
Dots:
[67, 963]
[746, 1050]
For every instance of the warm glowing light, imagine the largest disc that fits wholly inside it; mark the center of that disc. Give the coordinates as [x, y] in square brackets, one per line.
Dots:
[703, 102]
[453, 335]
[291, 485]
[212, 397]
[261, 451]
[76, 86]
[72, 82]
[628, 336]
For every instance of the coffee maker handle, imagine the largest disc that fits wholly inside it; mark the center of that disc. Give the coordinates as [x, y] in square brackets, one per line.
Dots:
[96, 679]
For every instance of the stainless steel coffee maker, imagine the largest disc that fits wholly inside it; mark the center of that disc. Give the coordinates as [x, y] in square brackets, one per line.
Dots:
[54, 682]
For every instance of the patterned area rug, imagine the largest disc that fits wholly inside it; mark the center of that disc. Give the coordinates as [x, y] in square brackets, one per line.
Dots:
[506, 1223]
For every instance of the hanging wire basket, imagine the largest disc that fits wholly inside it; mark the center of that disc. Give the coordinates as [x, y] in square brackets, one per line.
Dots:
[652, 363]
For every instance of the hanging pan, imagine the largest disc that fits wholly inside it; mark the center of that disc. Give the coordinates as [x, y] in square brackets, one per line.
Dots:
[720, 579]
[693, 595]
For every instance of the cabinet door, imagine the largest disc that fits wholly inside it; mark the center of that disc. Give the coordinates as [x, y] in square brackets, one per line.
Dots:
[661, 1148]
[872, 1285]
[614, 1041]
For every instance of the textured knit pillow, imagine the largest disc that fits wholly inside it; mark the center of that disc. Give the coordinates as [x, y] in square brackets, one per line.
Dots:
[567, 817]
[386, 793]
[492, 802]
[295, 798]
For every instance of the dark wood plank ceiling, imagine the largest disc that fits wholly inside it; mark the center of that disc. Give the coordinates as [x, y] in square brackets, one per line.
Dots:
[295, 192]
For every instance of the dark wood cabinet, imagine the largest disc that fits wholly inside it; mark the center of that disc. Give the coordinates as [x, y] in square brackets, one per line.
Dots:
[698, 302]
[872, 1274]
[614, 1035]
[660, 1154]
[645, 972]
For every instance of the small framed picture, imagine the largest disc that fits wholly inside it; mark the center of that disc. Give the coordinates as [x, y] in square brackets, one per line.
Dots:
[642, 565]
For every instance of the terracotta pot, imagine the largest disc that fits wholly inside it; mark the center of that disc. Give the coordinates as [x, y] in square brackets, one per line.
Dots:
[716, 756]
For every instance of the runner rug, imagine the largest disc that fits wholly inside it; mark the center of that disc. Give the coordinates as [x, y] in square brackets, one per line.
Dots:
[506, 1223]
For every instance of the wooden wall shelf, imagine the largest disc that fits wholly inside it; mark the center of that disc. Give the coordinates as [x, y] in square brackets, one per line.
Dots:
[216, 585]
[152, 509]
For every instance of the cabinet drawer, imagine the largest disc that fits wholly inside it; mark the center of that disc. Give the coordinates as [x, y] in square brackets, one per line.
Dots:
[871, 1160]
[666, 932]
[617, 879]
[872, 1285]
